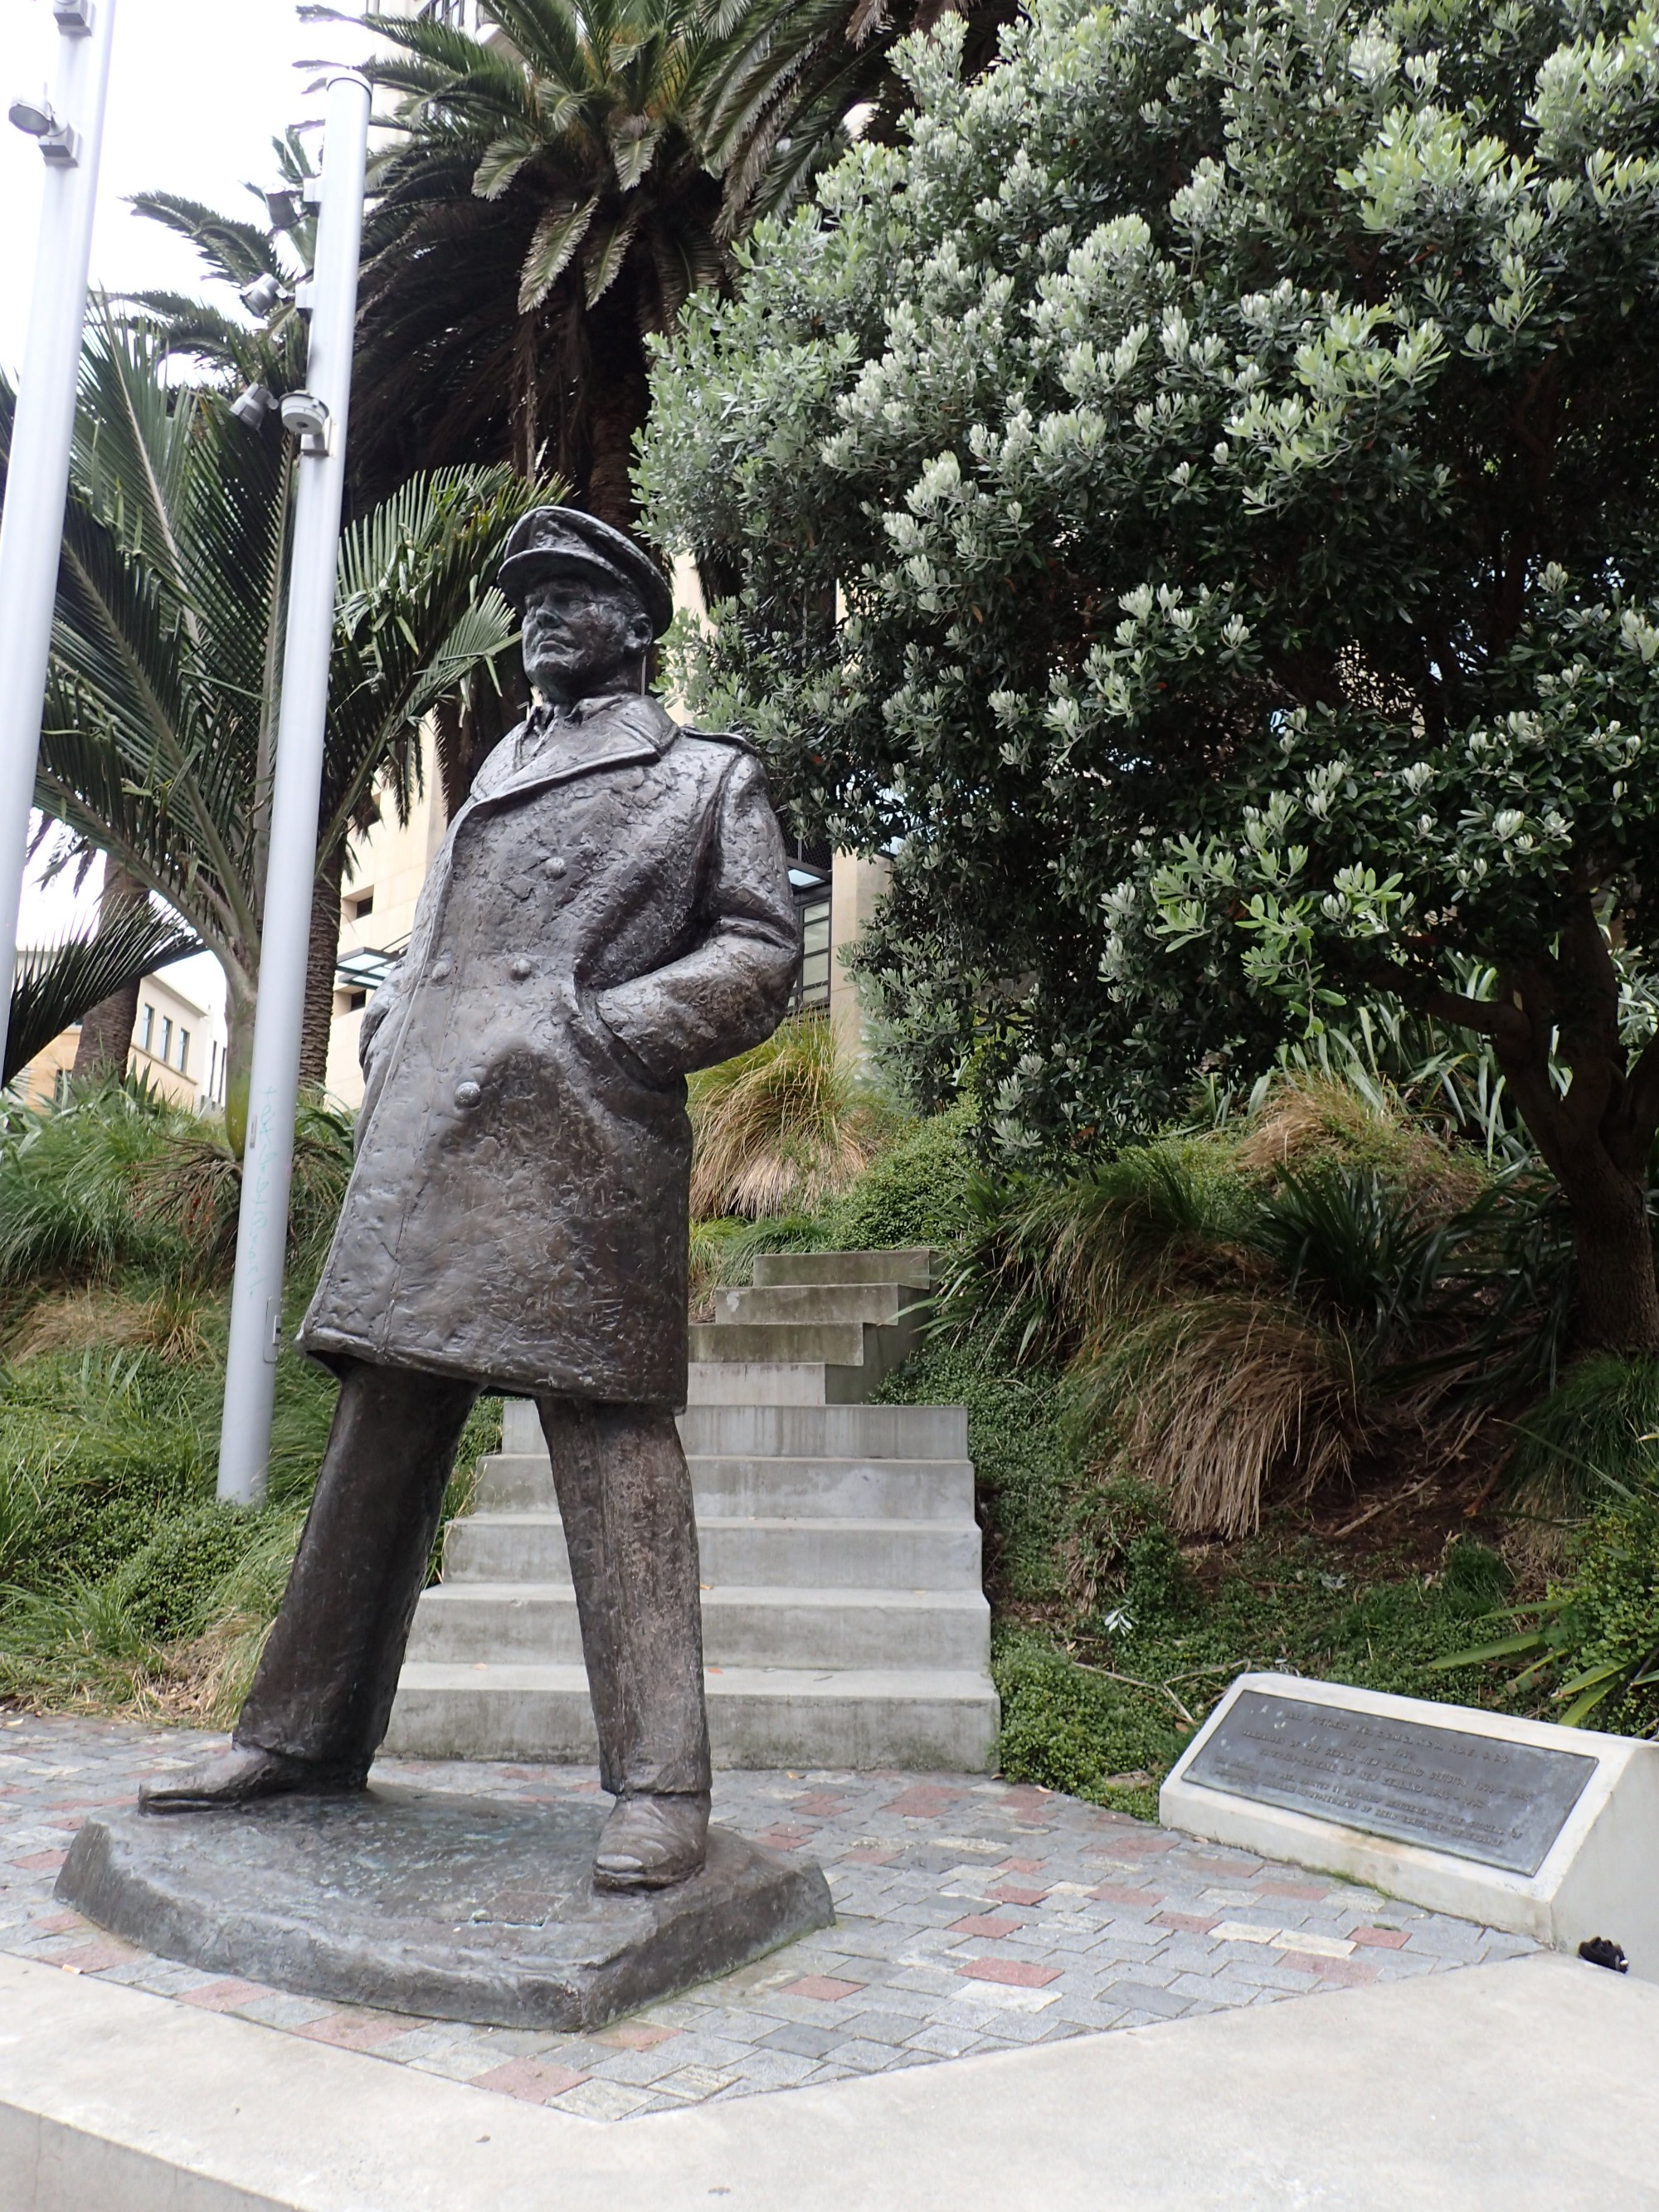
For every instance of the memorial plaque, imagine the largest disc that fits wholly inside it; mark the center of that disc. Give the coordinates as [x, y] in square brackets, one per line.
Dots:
[1476, 1796]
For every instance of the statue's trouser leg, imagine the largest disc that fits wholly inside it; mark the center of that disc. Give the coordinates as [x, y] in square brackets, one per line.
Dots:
[624, 1495]
[326, 1684]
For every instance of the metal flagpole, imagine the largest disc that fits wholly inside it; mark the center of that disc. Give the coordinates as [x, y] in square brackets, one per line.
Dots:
[71, 128]
[318, 417]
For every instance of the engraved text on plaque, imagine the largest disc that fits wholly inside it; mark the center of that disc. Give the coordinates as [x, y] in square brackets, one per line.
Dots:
[1476, 1796]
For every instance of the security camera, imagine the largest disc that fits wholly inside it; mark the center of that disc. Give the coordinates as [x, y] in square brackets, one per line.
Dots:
[263, 295]
[255, 406]
[307, 417]
[36, 119]
[283, 203]
[74, 17]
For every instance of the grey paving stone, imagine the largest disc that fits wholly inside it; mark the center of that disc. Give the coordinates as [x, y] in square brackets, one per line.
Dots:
[1116, 1968]
[803, 2042]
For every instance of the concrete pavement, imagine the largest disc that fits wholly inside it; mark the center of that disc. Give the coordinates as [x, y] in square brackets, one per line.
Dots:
[1528, 2085]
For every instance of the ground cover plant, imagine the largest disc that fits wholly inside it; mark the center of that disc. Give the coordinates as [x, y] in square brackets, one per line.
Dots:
[122, 1583]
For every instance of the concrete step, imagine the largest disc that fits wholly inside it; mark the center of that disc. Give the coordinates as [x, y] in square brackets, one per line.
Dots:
[852, 1357]
[922, 1717]
[770, 1382]
[827, 1431]
[878, 1304]
[827, 1343]
[914, 1266]
[745, 1550]
[857, 1489]
[458, 1623]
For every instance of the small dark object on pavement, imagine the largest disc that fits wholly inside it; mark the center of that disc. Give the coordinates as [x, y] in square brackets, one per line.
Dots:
[1603, 1951]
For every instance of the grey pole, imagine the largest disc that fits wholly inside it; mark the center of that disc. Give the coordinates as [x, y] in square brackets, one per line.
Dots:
[318, 417]
[71, 129]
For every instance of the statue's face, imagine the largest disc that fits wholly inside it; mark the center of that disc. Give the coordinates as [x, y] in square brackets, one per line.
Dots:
[582, 634]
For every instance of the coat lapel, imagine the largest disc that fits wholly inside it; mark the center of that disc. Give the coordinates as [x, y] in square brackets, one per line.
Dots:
[620, 732]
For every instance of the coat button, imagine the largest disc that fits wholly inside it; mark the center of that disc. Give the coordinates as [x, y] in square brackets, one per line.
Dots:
[468, 1094]
[520, 968]
[442, 970]
[555, 867]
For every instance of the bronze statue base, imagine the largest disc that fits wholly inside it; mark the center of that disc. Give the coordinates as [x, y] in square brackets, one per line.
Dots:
[422, 1902]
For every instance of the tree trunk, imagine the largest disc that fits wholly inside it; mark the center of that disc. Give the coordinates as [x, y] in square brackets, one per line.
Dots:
[241, 1005]
[106, 1029]
[1618, 1301]
[1596, 1137]
[619, 401]
[321, 960]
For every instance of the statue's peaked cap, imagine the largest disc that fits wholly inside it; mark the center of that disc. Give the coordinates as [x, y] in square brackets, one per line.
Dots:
[550, 539]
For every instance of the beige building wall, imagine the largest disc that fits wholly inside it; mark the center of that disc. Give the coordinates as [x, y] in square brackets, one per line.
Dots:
[385, 873]
[855, 885]
[37, 1084]
[178, 1046]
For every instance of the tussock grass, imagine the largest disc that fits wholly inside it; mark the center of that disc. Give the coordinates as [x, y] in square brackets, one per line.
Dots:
[1213, 1399]
[786, 1127]
[1312, 1119]
[1594, 1438]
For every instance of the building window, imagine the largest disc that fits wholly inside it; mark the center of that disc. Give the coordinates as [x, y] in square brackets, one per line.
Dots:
[814, 990]
[165, 1050]
[146, 1027]
[359, 904]
[184, 1052]
[355, 1001]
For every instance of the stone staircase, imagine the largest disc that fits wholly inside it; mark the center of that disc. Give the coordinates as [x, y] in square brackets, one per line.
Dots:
[844, 1622]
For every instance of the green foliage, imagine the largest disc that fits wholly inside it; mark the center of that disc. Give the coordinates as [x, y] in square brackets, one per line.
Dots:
[55, 985]
[1126, 1690]
[916, 1192]
[117, 1181]
[156, 740]
[785, 1126]
[1232, 438]
[1591, 1648]
[1027, 1475]
[70, 1182]
[1069, 1728]
[1596, 1432]
[168, 1585]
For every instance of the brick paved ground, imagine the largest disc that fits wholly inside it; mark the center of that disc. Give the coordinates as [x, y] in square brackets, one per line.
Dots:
[973, 1916]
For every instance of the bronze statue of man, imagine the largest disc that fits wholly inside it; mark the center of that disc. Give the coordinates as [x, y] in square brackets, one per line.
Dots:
[610, 910]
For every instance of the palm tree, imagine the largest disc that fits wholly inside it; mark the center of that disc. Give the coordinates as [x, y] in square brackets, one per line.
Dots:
[544, 209]
[237, 251]
[162, 704]
[794, 75]
[57, 985]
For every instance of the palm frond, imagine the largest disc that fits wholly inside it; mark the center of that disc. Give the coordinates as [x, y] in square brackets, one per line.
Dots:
[55, 985]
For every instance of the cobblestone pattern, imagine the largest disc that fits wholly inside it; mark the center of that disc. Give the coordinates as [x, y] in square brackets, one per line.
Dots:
[973, 1916]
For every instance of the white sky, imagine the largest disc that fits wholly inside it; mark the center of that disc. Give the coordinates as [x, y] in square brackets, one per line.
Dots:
[197, 91]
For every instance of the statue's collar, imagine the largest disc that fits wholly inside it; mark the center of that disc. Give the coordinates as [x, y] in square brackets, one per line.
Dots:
[636, 712]
[613, 730]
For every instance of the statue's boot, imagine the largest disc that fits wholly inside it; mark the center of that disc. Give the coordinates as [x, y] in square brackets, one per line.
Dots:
[651, 1842]
[239, 1776]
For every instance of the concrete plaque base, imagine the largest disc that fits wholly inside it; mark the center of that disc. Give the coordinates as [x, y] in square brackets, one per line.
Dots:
[1552, 1832]
[460, 1908]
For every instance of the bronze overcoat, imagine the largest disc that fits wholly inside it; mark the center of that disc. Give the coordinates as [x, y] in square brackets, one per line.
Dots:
[610, 910]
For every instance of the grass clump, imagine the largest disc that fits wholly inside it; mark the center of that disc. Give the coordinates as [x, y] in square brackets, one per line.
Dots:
[786, 1126]
[1596, 1432]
